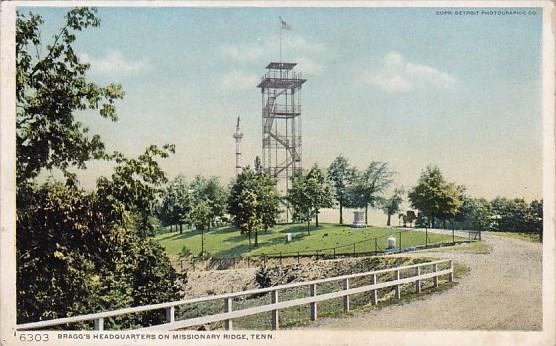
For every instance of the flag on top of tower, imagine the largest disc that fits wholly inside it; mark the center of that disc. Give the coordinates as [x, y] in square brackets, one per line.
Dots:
[284, 25]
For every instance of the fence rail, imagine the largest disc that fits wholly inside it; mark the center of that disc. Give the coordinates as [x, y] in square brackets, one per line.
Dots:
[346, 250]
[229, 314]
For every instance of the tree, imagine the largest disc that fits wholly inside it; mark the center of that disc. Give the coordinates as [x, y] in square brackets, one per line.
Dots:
[308, 195]
[253, 202]
[49, 90]
[392, 205]
[80, 252]
[369, 186]
[475, 214]
[535, 218]
[434, 197]
[176, 203]
[201, 218]
[213, 193]
[341, 175]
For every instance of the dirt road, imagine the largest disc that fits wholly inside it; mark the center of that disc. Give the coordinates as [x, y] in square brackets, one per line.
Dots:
[501, 292]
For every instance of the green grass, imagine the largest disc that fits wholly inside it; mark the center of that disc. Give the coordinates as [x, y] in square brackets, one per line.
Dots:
[475, 247]
[227, 241]
[532, 237]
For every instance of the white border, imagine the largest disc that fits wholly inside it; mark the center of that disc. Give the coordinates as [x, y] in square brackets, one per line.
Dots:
[316, 337]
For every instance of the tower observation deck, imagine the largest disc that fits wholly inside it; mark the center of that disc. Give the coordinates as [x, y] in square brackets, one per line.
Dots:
[281, 122]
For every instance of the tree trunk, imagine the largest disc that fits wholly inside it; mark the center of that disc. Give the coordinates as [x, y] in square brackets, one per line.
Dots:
[181, 229]
[317, 218]
[341, 216]
[308, 225]
[366, 210]
[256, 238]
[249, 233]
[388, 222]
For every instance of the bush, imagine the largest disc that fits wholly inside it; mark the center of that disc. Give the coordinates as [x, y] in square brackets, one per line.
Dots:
[262, 277]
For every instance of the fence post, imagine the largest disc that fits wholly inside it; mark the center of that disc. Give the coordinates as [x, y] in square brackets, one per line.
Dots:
[418, 282]
[426, 237]
[181, 265]
[297, 257]
[398, 287]
[313, 293]
[435, 279]
[346, 298]
[228, 325]
[400, 242]
[99, 324]
[170, 314]
[374, 297]
[274, 300]
[451, 274]
[264, 260]
[334, 252]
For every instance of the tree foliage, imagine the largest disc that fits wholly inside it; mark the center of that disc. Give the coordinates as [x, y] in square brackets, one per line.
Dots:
[435, 197]
[341, 175]
[308, 195]
[210, 191]
[176, 203]
[253, 202]
[80, 251]
[368, 188]
[50, 88]
[392, 204]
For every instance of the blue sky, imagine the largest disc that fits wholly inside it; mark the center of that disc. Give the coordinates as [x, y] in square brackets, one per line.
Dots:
[405, 86]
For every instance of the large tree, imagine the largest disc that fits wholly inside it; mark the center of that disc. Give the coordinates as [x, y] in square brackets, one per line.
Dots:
[368, 188]
[392, 204]
[341, 176]
[434, 197]
[308, 195]
[211, 191]
[253, 202]
[80, 251]
[176, 203]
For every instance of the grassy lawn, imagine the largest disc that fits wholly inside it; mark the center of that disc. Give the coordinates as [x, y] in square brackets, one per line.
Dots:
[475, 247]
[227, 241]
[532, 237]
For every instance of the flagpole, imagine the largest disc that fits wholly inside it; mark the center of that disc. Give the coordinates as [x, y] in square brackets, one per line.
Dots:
[280, 43]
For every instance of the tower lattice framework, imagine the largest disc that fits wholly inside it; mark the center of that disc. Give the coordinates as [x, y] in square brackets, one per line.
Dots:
[281, 122]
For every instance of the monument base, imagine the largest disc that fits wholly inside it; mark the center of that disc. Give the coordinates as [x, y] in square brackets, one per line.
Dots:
[358, 219]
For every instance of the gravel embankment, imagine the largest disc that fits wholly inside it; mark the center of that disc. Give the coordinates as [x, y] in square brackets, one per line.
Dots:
[501, 292]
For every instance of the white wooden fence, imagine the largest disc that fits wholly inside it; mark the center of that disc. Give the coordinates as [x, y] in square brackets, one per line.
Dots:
[275, 306]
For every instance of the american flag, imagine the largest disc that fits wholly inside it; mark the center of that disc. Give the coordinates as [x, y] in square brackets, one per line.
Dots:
[284, 25]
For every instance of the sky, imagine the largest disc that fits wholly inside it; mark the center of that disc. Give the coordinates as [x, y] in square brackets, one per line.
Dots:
[406, 86]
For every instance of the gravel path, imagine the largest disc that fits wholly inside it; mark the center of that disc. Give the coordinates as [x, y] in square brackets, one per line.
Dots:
[501, 292]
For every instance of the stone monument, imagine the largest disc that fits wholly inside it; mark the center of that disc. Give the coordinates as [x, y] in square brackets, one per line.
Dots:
[358, 219]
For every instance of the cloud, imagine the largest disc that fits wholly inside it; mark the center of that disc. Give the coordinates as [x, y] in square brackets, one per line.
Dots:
[239, 80]
[242, 53]
[308, 66]
[398, 76]
[307, 53]
[115, 62]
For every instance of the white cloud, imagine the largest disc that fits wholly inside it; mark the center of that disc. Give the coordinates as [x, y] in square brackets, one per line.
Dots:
[239, 80]
[308, 53]
[115, 62]
[308, 66]
[242, 53]
[398, 76]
